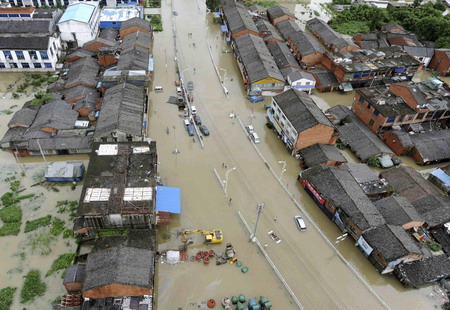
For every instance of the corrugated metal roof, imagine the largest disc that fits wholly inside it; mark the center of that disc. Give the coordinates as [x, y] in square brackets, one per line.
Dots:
[81, 12]
[168, 199]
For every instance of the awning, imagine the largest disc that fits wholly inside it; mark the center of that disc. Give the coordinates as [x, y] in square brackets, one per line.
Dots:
[168, 199]
[224, 28]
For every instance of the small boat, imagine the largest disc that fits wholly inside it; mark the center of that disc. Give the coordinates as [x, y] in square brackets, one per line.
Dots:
[226, 302]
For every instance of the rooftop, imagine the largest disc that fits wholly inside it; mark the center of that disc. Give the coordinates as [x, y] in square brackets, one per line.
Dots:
[265, 27]
[134, 58]
[321, 153]
[278, 11]
[79, 11]
[397, 210]
[83, 71]
[434, 209]
[385, 102]
[238, 17]
[306, 43]
[324, 77]
[282, 55]
[287, 27]
[119, 13]
[327, 33]
[300, 110]
[135, 22]
[428, 270]
[120, 179]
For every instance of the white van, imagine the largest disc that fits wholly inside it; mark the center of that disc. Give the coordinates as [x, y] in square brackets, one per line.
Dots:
[254, 137]
[179, 91]
[158, 88]
[300, 222]
[193, 110]
[186, 122]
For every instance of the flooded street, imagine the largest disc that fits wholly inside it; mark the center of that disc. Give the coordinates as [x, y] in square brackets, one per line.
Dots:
[311, 268]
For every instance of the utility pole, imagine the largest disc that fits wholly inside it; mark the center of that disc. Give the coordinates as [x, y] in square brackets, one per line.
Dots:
[259, 209]
[283, 169]
[226, 180]
[40, 149]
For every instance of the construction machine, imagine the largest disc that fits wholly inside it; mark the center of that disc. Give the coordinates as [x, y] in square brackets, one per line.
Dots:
[211, 236]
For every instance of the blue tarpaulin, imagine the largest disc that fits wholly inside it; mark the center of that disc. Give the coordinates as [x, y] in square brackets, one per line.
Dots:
[168, 199]
[224, 28]
[442, 176]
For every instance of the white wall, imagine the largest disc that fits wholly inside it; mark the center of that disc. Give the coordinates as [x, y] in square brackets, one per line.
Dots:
[52, 52]
[72, 30]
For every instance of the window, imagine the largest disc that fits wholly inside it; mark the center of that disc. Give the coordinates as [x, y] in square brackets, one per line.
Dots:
[7, 54]
[390, 119]
[376, 113]
[25, 15]
[400, 118]
[51, 51]
[19, 55]
[368, 106]
[410, 117]
[48, 65]
[3, 15]
[420, 115]
[365, 73]
[37, 65]
[2, 65]
[357, 75]
[54, 45]
[307, 83]
[361, 99]
[44, 55]
[14, 15]
[25, 64]
[371, 123]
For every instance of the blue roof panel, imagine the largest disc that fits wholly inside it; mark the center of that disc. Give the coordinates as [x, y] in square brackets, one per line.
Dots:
[441, 175]
[81, 12]
[168, 199]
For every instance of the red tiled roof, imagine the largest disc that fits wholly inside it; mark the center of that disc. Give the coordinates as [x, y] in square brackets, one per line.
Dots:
[17, 10]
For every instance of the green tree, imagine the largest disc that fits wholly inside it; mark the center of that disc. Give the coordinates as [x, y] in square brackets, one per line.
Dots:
[443, 42]
[213, 5]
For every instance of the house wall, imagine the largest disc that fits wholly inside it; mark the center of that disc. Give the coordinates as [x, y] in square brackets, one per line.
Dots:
[73, 287]
[412, 224]
[31, 61]
[245, 31]
[82, 33]
[107, 60]
[129, 30]
[302, 84]
[134, 220]
[317, 134]
[83, 112]
[268, 84]
[440, 62]
[309, 60]
[95, 46]
[114, 290]
[394, 143]
[72, 59]
[281, 18]
[39, 3]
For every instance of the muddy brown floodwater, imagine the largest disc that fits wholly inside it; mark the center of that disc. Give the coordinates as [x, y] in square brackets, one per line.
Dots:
[318, 278]
[17, 256]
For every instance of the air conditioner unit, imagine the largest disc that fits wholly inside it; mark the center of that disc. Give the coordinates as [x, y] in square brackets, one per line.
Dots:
[381, 102]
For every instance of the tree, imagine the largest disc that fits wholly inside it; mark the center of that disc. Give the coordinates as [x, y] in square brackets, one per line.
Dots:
[443, 42]
[213, 5]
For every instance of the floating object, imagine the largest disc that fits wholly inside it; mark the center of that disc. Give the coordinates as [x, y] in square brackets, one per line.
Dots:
[233, 260]
[253, 305]
[193, 258]
[264, 302]
[211, 303]
[238, 264]
[206, 260]
[242, 298]
[229, 251]
[198, 256]
[234, 300]
[226, 302]
[211, 253]
[244, 269]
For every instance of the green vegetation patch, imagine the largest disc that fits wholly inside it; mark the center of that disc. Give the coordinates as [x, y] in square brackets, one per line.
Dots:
[152, 3]
[7, 297]
[266, 4]
[41, 99]
[11, 214]
[32, 287]
[62, 262]
[40, 243]
[35, 224]
[57, 227]
[352, 28]
[10, 229]
[156, 22]
[68, 206]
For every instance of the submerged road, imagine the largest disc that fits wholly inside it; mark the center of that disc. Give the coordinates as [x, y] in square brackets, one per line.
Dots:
[318, 277]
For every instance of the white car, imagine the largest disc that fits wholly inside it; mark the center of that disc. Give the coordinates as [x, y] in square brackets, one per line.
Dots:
[274, 236]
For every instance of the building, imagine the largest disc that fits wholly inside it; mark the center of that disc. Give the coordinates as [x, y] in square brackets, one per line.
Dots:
[434, 209]
[299, 121]
[355, 134]
[106, 38]
[119, 188]
[325, 80]
[50, 130]
[258, 68]
[341, 198]
[268, 31]
[136, 39]
[133, 25]
[79, 24]
[119, 271]
[136, 58]
[425, 147]
[298, 79]
[287, 28]
[47, 3]
[74, 278]
[428, 270]
[441, 62]
[29, 40]
[282, 55]
[238, 20]
[65, 171]
[332, 40]
[113, 17]
[83, 72]
[77, 54]
[122, 115]
[398, 211]
[364, 68]
[306, 48]
[374, 187]
[393, 27]
[318, 154]
[389, 245]
[441, 178]
[278, 14]
[421, 53]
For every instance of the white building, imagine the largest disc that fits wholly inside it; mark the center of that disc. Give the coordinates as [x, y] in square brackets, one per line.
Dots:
[38, 3]
[29, 42]
[299, 79]
[79, 23]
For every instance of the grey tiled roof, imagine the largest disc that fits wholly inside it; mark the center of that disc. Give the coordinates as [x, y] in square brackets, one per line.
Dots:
[80, 90]
[418, 273]
[256, 58]
[301, 110]
[419, 51]
[75, 274]
[282, 55]
[83, 70]
[119, 265]
[26, 42]
[136, 38]
[321, 153]
[135, 22]
[278, 11]
[306, 43]
[327, 33]
[238, 18]
[56, 114]
[265, 27]
[287, 27]
[122, 110]
[324, 77]
[397, 210]
[434, 209]
[24, 116]
[135, 58]
[26, 26]
[109, 34]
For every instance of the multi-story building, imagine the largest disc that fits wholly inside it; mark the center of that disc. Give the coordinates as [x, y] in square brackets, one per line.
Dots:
[364, 68]
[28, 39]
[79, 24]
[332, 40]
[53, 3]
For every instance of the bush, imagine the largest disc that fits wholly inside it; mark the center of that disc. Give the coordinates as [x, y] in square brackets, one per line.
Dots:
[57, 227]
[32, 287]
[374, 162]
[41, 99]
[35, 224]
[9, 229]
[155, 21]
[62, 262]
[68, 233]
[434, 246]
[7, 297]
[446, 305]
[11, 214]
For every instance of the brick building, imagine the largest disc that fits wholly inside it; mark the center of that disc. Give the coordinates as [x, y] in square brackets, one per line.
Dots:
[332, 40]
[306, 48]
[238, 20]
[441, 62]
[278, 14]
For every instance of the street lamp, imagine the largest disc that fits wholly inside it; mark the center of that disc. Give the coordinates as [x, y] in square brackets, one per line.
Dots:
[260, 208]
[282, 169]
[226, 180]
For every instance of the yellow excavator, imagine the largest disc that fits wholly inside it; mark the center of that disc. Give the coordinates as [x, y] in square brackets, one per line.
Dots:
[211, 236]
